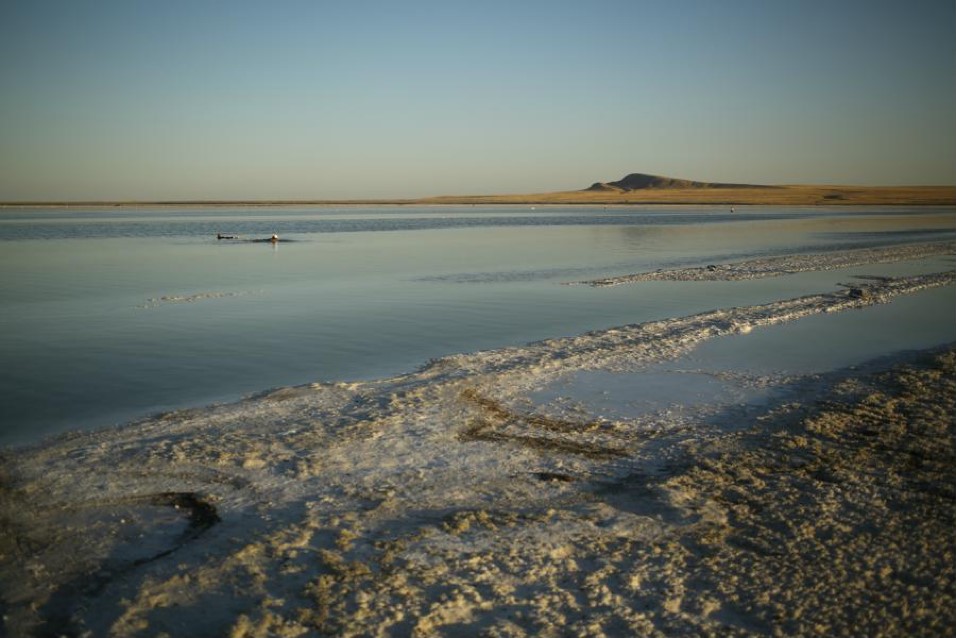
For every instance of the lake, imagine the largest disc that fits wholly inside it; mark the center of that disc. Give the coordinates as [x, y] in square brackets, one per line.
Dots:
[112, 314]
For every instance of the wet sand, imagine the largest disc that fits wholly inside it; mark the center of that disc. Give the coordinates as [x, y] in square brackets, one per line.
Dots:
[444, 502]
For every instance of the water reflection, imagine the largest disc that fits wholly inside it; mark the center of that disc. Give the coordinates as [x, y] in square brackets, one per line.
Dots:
[79, 349]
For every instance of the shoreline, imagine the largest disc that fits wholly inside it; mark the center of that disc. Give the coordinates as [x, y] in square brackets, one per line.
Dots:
[442, 498]
[770, 195]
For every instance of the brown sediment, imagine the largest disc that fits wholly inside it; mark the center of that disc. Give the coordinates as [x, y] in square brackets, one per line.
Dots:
[494, 424]
[498, 412]
[485, 431]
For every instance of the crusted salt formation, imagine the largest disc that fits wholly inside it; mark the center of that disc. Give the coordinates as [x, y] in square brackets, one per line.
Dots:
[443, 502]
[784, 265]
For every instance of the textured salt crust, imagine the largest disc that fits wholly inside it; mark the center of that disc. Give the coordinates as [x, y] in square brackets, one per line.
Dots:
[153, 302]
[784, 265]
[440, 502]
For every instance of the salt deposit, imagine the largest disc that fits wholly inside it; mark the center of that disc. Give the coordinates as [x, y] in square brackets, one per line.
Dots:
[784, 264]
[443, 502]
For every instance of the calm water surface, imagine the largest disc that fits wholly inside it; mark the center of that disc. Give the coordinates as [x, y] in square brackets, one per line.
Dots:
[109, 315]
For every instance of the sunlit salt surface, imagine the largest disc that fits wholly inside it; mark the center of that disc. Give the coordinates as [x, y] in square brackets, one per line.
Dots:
[111, 315]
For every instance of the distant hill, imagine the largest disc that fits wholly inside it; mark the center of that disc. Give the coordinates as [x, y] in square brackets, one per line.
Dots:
[634, 189]
[642, 181]
[644, 188]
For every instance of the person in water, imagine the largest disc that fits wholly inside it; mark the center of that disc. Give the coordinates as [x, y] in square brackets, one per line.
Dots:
[274, 238]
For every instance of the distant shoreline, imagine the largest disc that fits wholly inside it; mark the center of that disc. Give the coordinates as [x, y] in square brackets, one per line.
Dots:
[746, 196]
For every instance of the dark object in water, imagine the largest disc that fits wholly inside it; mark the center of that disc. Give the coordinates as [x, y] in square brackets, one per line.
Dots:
[221, 236]
[859, 293]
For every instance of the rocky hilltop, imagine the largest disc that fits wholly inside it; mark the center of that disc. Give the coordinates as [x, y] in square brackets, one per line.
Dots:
[642, 181]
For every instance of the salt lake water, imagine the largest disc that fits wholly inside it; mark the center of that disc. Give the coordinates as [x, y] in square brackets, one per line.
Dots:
[112, 314]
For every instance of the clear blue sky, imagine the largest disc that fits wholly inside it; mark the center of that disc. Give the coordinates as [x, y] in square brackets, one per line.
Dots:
[132, 99]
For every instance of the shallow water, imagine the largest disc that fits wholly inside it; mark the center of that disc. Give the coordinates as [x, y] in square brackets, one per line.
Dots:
[750, 369]
[110, 315]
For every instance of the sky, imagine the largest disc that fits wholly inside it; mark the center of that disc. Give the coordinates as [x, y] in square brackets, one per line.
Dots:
[185, 100]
